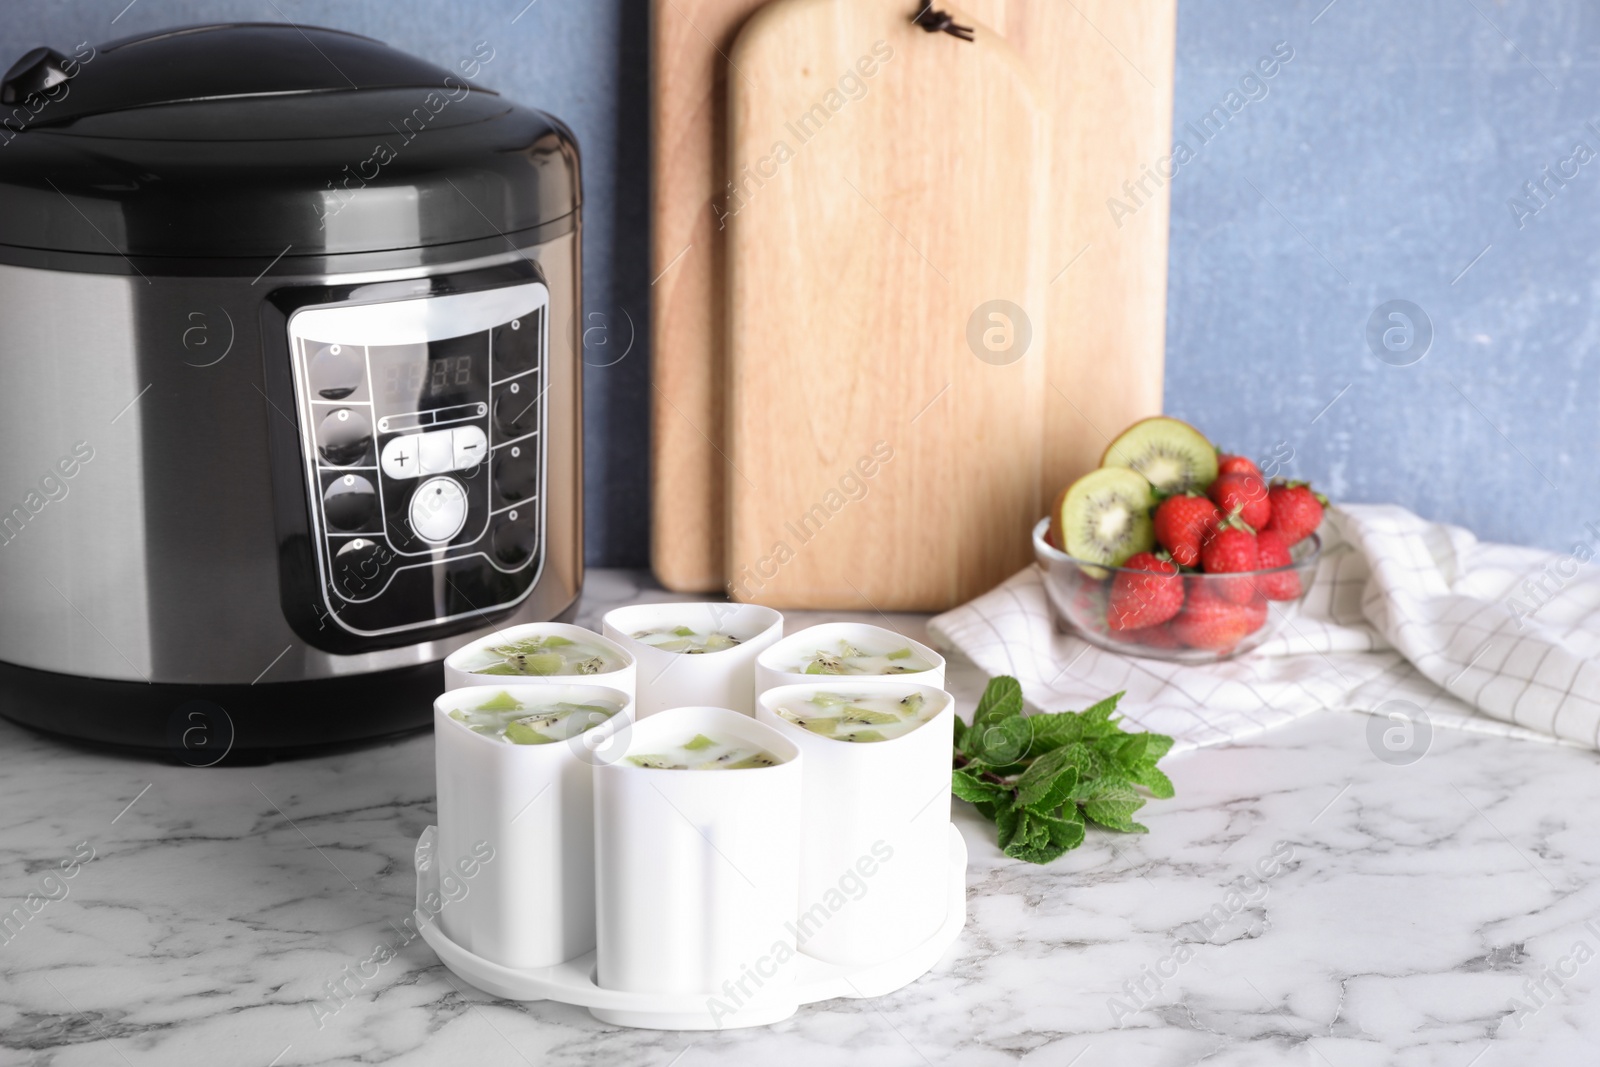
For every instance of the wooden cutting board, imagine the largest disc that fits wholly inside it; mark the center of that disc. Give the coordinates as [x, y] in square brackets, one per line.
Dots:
[1107, 67]
[886, 230]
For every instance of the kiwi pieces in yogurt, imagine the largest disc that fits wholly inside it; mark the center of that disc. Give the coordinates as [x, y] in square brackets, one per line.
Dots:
[547, 655]
[858, 717]
[505, 718]
[686, 639]
[706, 753]
[847, 658]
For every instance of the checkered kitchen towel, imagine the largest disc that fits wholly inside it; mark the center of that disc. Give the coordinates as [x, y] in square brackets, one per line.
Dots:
[1480, 636]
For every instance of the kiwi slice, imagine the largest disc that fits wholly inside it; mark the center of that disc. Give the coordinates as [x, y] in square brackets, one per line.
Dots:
[823, 726]
[502, 667]
[501, 701]
[1172, 455]
[824, 664]
[866, 716]
[698, 742]
[899, 653]
[656, 763]
[760, 759]
[544, 663]
[1104, 517]
[525, 731]
[864, 735]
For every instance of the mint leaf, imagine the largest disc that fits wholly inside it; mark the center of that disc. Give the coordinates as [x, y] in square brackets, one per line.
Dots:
[1006, 819]
[1036, 855]
[1130, 750]
[961, 733]
[1106, 786]
[968, 786]
[1151, 778]
[1102, 712]
[1088, 762]
[1065, 833]
[1048, 782]
[1051, 730]
[1000, 743]
[1001, 700]
[1113, 808]
[1157, 746]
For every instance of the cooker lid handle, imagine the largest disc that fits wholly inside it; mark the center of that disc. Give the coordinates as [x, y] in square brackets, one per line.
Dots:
[226, 61]
[40, 70]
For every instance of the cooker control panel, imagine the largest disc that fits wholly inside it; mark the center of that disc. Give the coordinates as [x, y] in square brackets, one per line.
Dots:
[422, 432]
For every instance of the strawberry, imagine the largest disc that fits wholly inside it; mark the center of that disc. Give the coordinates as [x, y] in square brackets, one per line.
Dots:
[1272, 551]
[1245, 495]
[1149, 637]
[1227, 464]
[1231, 550]
[1214, 624]
[1182, 522]
[1146, 592]
[1296, 511]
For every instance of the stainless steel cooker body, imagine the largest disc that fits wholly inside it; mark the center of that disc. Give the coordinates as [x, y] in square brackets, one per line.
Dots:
[140, 534]
[283, 426]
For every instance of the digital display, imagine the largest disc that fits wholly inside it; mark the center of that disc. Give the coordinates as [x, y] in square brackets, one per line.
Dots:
[426, 380]
[437, 374]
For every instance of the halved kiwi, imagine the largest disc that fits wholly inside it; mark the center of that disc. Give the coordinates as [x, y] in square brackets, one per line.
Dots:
[1104, 517]
[1172, 455]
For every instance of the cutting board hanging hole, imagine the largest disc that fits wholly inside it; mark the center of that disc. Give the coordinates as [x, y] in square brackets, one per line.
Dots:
[941, 22]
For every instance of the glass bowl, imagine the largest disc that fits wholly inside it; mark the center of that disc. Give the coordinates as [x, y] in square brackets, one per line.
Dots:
[1223, 615]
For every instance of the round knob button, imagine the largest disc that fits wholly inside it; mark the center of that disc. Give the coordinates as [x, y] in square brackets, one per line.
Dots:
[516, 345]
[350, 502]
[343, 436]
[438, 509]
[515, 540]
[515, 479]
[516, 409]
[359, 568]
[336, 371]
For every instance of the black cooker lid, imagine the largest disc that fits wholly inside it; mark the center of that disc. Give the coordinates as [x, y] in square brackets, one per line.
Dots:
[261, 139]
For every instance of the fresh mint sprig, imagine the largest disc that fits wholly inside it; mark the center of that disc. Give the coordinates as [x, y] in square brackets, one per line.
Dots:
[1042, 778]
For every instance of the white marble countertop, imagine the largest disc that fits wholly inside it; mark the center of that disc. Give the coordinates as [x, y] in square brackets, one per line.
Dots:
[1404, 912]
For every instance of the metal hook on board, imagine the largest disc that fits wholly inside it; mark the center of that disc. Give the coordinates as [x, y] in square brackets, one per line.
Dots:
[941, 22]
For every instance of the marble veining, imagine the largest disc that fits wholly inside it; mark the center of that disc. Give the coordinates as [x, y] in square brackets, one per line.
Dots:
[1300, 901]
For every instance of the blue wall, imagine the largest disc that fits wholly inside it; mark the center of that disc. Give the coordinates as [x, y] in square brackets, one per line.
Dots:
[1376, 168]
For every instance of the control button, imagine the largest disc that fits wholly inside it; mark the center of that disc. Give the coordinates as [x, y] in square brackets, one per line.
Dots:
[438, 510]
[515, 537]
[359, 568]
[516, 407]
[342, 436]
[435, 453]
[469, 445]
[337, 370]
[349, 502]
[400, 457]
[515, 480]
[516, 345]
